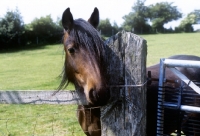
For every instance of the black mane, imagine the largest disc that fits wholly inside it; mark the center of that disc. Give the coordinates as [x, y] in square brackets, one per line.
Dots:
[84, 35]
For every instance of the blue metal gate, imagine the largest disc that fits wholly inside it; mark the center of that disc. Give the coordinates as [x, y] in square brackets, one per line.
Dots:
[178, 107]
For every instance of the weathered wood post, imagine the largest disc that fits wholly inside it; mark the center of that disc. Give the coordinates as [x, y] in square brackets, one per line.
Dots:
[125, 115]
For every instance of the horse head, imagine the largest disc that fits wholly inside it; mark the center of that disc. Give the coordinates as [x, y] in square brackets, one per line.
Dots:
[85, 62]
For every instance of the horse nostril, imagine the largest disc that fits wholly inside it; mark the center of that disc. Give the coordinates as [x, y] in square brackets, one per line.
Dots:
[93, 95]
[99, 97]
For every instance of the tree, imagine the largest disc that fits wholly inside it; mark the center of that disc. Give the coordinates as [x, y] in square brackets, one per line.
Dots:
[115, 28]
[186, 23]
[197, 16]
[162, 13]
[12, 27]
[43, 30]
[136, 20]
[105, 27]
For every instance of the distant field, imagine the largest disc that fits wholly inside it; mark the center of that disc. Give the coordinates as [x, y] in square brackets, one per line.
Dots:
[165, 45]
[34, 69]
[39, 69]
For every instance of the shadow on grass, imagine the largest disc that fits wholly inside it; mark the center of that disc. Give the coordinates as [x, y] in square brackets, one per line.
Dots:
[27, 48]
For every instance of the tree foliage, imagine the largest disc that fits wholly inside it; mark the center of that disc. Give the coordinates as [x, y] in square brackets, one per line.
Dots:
[137, 20]
[186, 23]
[106, 28]
[14, 34]
[43, 29]
[162, 13]
[12, 27]
[197, 16]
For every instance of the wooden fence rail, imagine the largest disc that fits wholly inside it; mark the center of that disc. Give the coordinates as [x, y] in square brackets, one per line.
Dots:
[39, 97]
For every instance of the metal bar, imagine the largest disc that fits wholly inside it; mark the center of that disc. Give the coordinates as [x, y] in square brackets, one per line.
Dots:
[182, 63]
[190, 108]
[182, 107]
[160, 110]
[161, 94]
[186, 80]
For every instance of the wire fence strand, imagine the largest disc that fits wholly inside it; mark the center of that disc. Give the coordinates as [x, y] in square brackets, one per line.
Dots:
[48, 123]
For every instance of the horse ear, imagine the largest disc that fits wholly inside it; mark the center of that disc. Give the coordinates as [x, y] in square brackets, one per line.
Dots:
[67, 19]
[94, 18]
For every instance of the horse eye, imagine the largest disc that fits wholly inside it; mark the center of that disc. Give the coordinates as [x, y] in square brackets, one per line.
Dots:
[71, 50]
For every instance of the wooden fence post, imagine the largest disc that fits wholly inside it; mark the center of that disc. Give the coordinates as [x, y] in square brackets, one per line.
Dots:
[125, 115]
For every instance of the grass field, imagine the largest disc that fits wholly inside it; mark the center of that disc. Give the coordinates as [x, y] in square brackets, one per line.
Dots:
[165, 45]
[32, 69]
[39, 120]
[39, 69]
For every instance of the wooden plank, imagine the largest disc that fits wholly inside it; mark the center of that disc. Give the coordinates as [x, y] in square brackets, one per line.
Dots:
[39, 97]
[126, 112]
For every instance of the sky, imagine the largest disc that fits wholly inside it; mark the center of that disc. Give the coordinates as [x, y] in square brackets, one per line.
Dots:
[112, 9]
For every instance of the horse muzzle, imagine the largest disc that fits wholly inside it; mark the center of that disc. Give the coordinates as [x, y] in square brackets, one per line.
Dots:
[99, 97]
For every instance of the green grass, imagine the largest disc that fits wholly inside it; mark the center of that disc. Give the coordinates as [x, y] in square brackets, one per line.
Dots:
[39, 120]
[39, 69]
[34, 69]
[165, 45]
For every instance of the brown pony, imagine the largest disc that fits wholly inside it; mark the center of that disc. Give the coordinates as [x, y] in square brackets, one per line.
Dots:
[86, 65]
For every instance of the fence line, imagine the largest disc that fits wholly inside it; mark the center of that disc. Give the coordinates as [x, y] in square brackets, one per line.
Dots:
[40, 97]
[57, 125]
